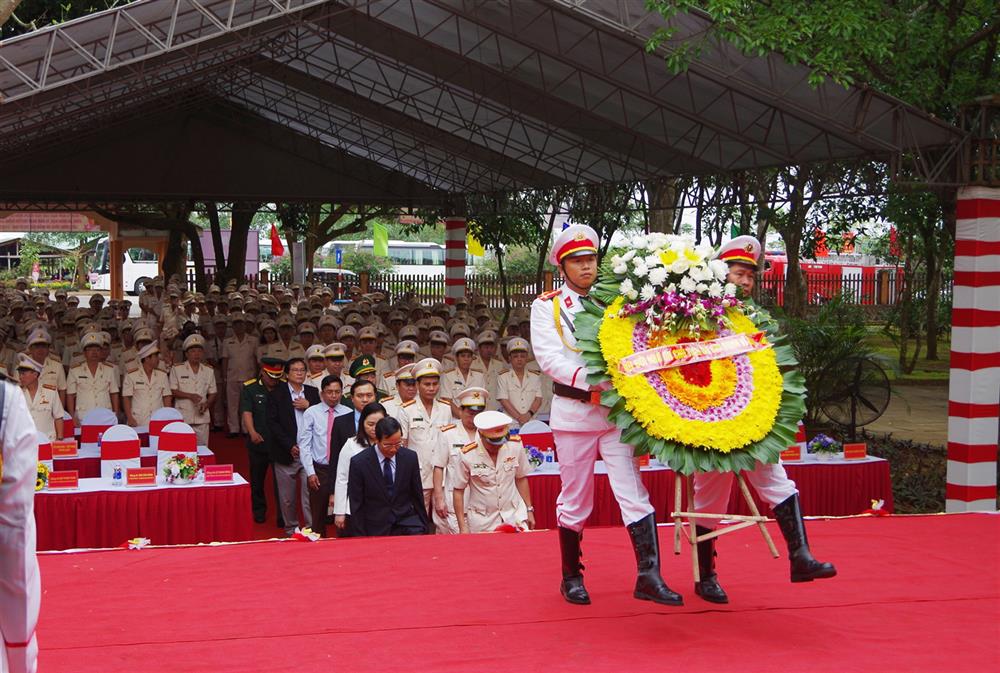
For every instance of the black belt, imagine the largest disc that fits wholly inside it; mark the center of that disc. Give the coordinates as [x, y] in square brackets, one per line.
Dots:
[588, 396]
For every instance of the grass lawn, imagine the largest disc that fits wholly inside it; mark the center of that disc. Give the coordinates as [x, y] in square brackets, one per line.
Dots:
[925, 371]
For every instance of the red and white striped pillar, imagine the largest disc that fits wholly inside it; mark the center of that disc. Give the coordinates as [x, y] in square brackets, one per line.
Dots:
[974, 387]
[454, 259]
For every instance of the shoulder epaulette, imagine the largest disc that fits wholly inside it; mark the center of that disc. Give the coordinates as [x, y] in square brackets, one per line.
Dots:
[446, 428]
[468, 447]
[50, 386]
[406, 404]
[514, 438]
[445, 400]
[250, 382]
[133, 370]
[545, 296]
[388, 398]
[205, 364]
[503, 371]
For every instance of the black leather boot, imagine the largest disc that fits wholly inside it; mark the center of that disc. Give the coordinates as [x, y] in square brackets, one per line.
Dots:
[571, 587]
[649, 586]
[708, 588]
[804, 568]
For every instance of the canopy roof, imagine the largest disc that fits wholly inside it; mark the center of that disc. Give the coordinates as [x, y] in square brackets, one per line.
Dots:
[405, 101]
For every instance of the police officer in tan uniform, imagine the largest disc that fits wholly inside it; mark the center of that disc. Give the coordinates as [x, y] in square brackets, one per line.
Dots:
[193, 386]
[42, 399]
[495, 468]
[519, 391]
[336, 357]
[53, 374]
[91, 384]
[239, 364]
[316, 366]
[422, 418]
[285, 348]
[145, 388]
[463, 375]
[454, 436]
[405, 384]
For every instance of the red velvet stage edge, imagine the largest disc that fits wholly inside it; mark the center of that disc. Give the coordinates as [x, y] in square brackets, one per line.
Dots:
[913, 594]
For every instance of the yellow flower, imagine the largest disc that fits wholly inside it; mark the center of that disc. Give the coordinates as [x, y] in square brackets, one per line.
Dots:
[750, 425]
[668, 257]
[692, 255]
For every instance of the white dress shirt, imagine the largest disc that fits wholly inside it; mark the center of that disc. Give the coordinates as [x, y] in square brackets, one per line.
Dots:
[314, 445]
[298, 414]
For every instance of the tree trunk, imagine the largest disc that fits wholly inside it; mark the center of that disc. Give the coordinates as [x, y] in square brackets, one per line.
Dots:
[543, 252]
[236, 264]
[220, 250]
[504, 290]
[198, 257]
[932, 288]
[173, 261]
[662, 204]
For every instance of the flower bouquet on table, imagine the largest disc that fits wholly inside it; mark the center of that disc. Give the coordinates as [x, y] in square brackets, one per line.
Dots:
[824, 447]
[180, 469]
[694, 372]
[42, 480]
[535, 457]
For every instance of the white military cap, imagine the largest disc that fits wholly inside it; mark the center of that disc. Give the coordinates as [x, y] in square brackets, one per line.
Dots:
[193, 341]
[427, 367]
[573, 241]
[741, 250]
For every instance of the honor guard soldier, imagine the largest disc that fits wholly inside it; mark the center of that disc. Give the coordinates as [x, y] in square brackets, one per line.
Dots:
[519, 391]
[239, 363]
[316, 362]
[454, 437]
[422, 418]
[712, 489]
[91, 384]
[582, 431]
[53, 374]
[495, 469]
[146, 388]
[193, 386]
[20, 586]
[42, 398]
[463, 375]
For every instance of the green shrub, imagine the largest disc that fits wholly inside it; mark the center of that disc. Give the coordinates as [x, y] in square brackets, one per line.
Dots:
[918, 473]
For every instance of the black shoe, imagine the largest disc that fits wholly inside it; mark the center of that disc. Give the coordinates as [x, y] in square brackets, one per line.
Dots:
[649, 586]
[571, 587]
[708, 588]
[804, 568]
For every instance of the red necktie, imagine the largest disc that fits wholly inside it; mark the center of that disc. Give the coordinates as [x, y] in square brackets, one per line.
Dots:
[329, 432]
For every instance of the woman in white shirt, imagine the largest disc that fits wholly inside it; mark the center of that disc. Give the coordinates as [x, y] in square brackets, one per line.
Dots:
[370, 415]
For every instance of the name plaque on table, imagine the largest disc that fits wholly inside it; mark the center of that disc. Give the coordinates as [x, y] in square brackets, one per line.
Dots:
[218, 474]
[792, 453]
[64, 449]
[855, 451]
[140, 476]
[64, 480]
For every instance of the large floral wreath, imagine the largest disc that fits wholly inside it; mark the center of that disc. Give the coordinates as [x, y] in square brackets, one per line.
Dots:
[661, 302]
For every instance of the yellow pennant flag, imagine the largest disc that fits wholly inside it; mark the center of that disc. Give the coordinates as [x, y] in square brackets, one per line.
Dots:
[473, 246]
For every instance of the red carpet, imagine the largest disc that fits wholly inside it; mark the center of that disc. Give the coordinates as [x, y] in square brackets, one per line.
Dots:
[913, 594]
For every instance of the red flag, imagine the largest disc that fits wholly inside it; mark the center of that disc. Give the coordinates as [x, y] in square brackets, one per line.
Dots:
[894, 248]
[277, 249]
[821, 250]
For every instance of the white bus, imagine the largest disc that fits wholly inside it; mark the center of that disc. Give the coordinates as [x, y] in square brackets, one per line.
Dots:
[407, 257]
[139, 266]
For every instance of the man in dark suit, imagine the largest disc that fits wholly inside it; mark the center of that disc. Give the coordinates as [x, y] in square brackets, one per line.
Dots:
[384, 487]
[287, 403]
[346, 426]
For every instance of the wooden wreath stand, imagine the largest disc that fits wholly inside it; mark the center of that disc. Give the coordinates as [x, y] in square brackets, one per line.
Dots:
[692, 518]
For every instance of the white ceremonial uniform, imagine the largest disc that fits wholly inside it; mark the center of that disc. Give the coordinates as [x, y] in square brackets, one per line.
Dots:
[45, 408]
[202, 382]
[147, 393]
[20, 584]
[581, 430]
[453, 438]
[92, 389]
[712, 489]
[493, 498]
[421, 433]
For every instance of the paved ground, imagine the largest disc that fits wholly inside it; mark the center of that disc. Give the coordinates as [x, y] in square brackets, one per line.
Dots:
[916, 412]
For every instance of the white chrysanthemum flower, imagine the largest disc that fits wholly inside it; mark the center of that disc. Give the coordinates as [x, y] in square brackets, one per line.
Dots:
[629, 254]
[625, 286]
[681, 266]
[719, 268]
[639, 268]
[616, 259]
[730, 289]
[648, 292]
[702, 288]
[658, 275]
[653, 261]
[715, 289]
[639, 242]
[688, 284]
[619, 268]
[702, 273]
[672, 287]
